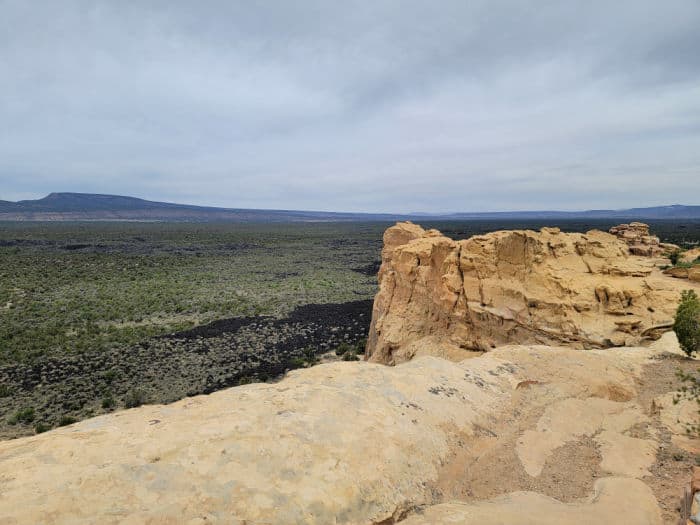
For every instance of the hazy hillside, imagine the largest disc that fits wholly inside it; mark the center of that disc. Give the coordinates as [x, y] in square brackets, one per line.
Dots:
[675, 211]
[86, 206]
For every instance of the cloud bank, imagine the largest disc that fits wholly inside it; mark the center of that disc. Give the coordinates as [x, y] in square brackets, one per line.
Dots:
[394, 106]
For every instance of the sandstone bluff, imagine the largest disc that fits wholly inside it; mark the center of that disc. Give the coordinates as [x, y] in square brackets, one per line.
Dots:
[444, 297]
[525, 433]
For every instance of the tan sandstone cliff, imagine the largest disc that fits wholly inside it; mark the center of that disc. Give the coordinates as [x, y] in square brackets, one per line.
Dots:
[444, 297]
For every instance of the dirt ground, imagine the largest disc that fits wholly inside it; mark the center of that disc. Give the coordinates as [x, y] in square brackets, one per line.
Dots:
[571, 471]
[673, 466]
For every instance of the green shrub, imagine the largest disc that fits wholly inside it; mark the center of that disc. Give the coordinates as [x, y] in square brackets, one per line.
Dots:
[342, 349]
[108, 402]
[24, 416]
[66, 420]
[41, 427]
[5, 391]
[687, 322]
[109, 376]
[134, 398]
[674, 257]
[310, 358]
[298, 362]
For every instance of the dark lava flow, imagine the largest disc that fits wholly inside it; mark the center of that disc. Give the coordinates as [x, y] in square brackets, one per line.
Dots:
[224, 353]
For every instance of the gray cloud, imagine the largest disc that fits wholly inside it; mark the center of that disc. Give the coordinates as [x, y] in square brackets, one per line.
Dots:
[366, 106]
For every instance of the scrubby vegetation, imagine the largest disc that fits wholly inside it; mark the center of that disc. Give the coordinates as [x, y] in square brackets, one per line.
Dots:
[348, 352]
[135, 398]
[66, 289]
[690, 389]
[23, 416]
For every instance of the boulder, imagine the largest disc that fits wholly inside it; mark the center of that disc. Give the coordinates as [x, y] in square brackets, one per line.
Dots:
[694, 274]
[546, 287]
[679, 272]
[691, 273]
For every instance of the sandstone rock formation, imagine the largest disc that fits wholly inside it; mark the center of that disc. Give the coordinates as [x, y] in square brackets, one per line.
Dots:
[546, 287]
[694, 274]
[690, 256]
[640, 241]
[682, 272]
[358, 443]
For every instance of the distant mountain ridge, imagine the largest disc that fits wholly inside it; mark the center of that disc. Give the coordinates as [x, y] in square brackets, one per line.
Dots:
[87, 206]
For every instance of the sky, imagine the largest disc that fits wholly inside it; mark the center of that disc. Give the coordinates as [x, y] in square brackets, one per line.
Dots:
[382, 105]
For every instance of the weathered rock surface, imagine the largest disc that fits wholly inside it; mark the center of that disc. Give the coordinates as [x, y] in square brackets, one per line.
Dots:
[690, 256]
[640, 241]
[546, 287]
[336, 443]
[615, 500]
[681, 272]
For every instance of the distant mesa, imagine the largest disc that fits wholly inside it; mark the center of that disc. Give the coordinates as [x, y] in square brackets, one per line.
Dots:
[88, 206]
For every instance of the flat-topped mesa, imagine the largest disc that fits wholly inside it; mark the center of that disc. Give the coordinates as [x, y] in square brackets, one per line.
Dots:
[640, 241]
[444, 297]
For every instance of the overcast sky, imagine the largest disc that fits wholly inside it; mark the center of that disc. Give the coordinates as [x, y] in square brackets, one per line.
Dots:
[354, 106]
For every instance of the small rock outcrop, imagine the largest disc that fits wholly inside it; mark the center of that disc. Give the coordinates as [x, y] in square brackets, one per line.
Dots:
[447, 297]
[691, 273]
[640, 241]
[690, 256]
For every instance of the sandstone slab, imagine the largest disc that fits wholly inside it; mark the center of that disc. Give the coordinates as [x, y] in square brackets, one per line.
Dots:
[336, 443]
[616, 500]
[574, 418]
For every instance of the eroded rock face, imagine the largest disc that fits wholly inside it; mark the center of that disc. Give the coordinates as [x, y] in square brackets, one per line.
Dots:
[546, 287]
[640, 241]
